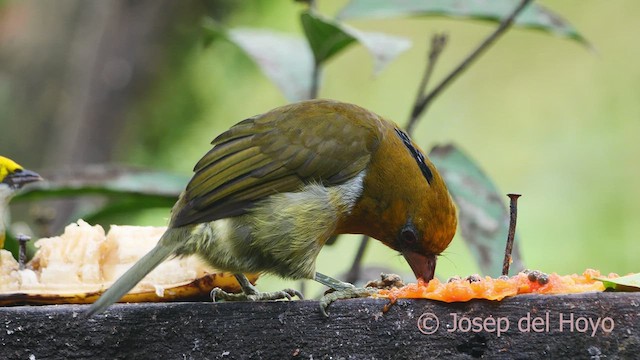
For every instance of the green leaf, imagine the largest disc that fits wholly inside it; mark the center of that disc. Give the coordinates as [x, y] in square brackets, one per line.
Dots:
[329, 37]
[325, 37]
[533, 17]
[107, 180]
[482, 214]
[624, 283]
[127, 190]
[284, 58]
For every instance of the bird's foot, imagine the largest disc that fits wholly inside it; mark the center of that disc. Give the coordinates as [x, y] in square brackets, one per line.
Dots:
[251, 293]
[219, 294]
[349, 293]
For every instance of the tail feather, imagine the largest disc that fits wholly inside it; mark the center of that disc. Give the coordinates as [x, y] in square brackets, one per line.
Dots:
[129, 279]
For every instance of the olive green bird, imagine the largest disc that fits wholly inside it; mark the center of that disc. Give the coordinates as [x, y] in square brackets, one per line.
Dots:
[275, 187]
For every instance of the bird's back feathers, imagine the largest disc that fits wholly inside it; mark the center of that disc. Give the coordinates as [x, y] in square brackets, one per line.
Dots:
[277, 152]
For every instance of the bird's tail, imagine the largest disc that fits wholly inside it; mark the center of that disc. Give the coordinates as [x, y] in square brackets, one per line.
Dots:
[129, 279]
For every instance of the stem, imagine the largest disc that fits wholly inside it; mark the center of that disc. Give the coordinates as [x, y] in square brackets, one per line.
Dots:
[490, 40]
[315, 75]
[513, 207]
[438, 42]
[315, 81]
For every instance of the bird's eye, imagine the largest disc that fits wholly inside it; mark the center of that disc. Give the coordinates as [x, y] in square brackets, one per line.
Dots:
[409, 235]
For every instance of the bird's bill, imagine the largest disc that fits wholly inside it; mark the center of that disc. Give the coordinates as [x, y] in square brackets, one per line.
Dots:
[19, 178]
[423, 266]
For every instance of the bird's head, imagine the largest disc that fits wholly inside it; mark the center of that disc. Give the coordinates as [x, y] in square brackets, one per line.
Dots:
[424, 233]
[406, 204]
[422, 225]
[430, 218]
[13, 176]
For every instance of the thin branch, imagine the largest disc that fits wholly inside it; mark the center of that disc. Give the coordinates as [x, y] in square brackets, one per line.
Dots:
[490, 40]
[438, 42]
[315, 81]
[315, 76]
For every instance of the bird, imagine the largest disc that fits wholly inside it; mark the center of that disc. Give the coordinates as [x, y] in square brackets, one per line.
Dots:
[275, 187]
[12, 177]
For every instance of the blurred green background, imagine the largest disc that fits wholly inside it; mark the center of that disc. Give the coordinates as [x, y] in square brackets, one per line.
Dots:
[132, 83]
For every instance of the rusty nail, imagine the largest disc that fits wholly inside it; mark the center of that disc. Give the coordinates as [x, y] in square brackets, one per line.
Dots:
[22, 254]
[513, 207]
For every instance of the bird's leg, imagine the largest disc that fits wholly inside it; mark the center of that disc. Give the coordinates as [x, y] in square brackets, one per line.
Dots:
[251, 293]
[343, 290]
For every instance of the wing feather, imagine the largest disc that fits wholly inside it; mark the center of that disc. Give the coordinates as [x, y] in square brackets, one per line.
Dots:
[281, 151]
[223, 150]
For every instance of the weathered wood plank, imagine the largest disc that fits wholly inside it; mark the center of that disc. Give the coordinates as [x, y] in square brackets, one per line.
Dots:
[356, 329]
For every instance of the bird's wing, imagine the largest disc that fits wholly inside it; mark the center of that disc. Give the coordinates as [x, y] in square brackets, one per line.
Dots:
[280, 151]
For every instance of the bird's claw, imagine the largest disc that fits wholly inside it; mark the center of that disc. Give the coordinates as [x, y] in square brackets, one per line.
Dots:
[349, 293]
[219, 294]
[276, 295]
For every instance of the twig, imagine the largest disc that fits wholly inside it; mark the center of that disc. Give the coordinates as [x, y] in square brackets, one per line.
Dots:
[438, 42]
[505, 24]
[315, 81]
[513, 216]
[315, 75]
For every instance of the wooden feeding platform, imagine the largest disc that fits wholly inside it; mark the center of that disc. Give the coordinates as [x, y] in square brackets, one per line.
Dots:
[583, 326]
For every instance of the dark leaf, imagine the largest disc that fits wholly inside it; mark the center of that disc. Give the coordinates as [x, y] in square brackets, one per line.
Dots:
[482, 213]
[126, 189]
[107, 180]
[533, 17]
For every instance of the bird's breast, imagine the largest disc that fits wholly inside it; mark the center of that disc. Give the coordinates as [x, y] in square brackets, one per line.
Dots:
[281, 234]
